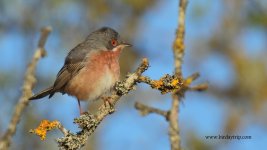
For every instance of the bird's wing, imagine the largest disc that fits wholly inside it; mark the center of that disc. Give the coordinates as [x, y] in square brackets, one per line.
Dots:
[67, 72]
[74, 62]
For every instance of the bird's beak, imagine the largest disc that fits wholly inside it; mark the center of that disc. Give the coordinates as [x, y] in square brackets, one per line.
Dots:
[124, 44]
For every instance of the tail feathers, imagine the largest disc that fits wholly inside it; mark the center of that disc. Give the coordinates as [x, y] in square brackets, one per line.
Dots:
[49, 91]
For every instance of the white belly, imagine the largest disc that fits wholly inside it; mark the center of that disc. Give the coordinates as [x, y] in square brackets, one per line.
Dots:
[102, 86]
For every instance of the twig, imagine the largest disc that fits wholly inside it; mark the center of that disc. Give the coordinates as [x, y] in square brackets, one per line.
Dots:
[28, 84]
[145, 110]
[200, 87]
[62, 129]
[167, 83]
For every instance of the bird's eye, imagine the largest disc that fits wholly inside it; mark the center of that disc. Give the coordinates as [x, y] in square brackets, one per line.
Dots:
[114, 42]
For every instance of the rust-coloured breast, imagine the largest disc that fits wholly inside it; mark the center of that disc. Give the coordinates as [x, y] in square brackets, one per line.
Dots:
[97, 77]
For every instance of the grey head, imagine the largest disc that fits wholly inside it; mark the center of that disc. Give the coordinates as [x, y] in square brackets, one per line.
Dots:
[105, 38]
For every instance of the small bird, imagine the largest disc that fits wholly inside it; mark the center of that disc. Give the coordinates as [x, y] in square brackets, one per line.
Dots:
[91, 69]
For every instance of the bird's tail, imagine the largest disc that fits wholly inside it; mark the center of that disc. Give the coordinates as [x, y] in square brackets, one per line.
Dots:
[49, 91]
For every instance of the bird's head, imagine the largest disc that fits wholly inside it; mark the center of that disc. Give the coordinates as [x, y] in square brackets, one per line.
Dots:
[106, 39]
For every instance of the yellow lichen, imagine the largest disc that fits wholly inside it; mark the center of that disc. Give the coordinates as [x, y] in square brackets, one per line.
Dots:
[157, 84]
[142, 78]
[179, 45]
[175, 82]
[44, 127]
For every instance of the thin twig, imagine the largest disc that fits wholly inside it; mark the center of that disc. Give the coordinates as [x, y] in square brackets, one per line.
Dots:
[62, 129]
[200, 87]
[145, 110]
[28, 84]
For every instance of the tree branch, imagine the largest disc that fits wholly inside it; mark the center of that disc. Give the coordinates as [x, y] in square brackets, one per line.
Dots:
[29, 81]
[178, 50]
[178, 44]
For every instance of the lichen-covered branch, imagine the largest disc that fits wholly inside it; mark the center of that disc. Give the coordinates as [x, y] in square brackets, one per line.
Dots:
[46, 126]
[168, 83]
[178, 44]
[178, 50]
[184, 85]
[29, 81]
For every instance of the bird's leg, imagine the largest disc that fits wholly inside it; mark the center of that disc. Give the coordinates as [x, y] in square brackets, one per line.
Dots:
[80, 108]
